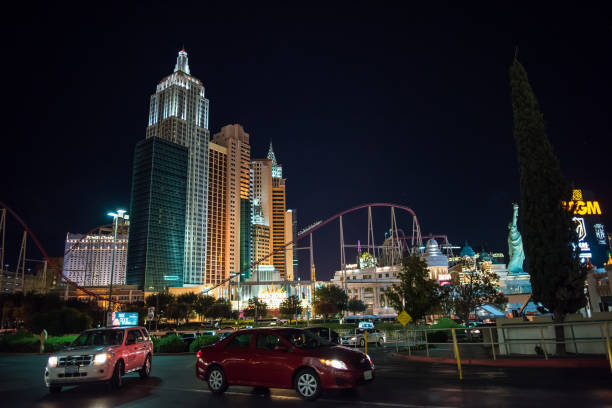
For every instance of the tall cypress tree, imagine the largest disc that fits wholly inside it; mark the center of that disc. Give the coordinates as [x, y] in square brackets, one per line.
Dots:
[549, 234]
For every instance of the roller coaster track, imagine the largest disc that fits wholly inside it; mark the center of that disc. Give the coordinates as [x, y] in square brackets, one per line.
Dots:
[303, 234]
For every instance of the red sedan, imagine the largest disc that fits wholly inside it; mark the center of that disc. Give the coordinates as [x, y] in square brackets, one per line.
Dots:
[282, 358]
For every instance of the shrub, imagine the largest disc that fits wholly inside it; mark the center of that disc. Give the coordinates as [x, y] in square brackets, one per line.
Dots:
[169, 344]
[19, 343]
[201, 342]
[54, 344]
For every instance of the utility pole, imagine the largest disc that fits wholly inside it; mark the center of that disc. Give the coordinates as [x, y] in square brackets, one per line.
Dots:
[120, 214]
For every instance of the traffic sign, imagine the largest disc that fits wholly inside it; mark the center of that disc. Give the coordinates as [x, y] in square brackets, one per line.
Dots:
[404, 318]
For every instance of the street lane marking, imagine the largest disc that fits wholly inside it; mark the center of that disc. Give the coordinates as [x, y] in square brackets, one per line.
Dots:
[292, 398]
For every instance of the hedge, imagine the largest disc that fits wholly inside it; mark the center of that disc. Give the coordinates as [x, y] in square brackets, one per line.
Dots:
[169, 344]
[201, 342]
[24, 342]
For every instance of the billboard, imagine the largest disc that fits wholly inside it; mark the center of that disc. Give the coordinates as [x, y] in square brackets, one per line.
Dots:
[124, 319]
[592, 237]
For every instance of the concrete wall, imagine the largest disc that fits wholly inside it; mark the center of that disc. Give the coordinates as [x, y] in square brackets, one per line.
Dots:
[582, 335]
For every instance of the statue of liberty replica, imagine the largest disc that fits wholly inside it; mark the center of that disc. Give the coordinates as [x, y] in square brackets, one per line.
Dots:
[515, 246]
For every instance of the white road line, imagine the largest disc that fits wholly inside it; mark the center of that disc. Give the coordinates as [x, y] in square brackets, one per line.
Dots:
[292, 398]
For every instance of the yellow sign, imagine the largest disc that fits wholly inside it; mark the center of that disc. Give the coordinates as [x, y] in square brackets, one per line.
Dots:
[582, 207]
[404, 318]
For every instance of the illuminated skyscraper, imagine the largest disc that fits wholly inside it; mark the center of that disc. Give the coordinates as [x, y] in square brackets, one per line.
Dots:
[269, 194]
[155, 256]
[179, 113]
[238, 203]
[216, 245]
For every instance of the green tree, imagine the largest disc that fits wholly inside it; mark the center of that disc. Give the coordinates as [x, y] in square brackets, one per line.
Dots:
[221, 309]
[291, 307]
[473, 288]
[356, 306]
[190, 299]
[203, 305]
[256, 305]
[549, 234]
[330, 294]
[325, 308]
[416, 293]
[160, 301]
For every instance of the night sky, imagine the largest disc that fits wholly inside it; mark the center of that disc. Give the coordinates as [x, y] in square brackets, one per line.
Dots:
[364, 102]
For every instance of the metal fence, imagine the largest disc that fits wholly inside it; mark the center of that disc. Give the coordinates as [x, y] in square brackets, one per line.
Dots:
[582, 339]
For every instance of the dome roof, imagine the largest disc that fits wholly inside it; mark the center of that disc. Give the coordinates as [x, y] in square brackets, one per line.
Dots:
[467, 251]
[433, 256]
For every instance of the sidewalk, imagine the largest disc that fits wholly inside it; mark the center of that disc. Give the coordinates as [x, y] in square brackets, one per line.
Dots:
[503, 361]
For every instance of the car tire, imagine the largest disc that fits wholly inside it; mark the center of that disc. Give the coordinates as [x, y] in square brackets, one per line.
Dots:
[362, 343]
[54, 389]
[146, 368]
[116, 380]
[379, 343]
[307, 384]
[217, 383]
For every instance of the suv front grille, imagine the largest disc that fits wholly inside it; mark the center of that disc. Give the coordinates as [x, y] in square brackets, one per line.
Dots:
[81, 361]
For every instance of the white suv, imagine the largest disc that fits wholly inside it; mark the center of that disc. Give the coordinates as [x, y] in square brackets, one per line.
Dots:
[104, 354]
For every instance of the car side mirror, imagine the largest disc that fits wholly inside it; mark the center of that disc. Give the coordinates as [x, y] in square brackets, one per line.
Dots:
[280, 347]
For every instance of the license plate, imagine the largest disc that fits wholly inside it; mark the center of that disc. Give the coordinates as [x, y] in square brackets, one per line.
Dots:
[72, 369]
[367, 375]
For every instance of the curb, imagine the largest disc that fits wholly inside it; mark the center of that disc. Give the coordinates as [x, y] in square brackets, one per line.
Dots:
[557, 363]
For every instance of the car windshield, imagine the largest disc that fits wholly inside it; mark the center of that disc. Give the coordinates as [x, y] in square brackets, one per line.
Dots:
[305, 339]
[99, 338]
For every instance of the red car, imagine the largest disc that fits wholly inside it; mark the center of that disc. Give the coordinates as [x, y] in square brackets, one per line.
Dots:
[282, 358]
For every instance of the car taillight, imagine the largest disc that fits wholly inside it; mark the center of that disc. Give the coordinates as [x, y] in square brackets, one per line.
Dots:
[199, 354]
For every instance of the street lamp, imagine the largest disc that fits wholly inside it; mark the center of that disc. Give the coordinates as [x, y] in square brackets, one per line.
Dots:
[119, 214]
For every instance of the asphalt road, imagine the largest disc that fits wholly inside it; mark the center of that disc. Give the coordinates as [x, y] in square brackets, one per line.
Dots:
[399, 384]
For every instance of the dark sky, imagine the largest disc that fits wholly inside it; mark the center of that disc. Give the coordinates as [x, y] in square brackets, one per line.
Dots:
[364, 102]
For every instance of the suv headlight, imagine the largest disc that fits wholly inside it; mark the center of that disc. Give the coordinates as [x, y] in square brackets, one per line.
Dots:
[340, 365]
[100, 359]
[52, 362]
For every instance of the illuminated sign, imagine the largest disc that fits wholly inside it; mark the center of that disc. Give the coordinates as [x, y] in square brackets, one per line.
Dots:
[580, 228]
[366, 260]
[272, 297]
[600, 234]
[582, 207]
[124, 319]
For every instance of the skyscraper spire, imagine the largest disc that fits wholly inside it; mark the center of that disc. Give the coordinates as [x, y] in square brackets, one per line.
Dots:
[182, 62]
[271, 154]
[277, 169]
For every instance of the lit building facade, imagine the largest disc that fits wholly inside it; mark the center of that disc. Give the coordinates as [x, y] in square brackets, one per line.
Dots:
[156, 249]
[216, 244]
[369, 284]
[88, 259]
[238, 203]
[179, 113]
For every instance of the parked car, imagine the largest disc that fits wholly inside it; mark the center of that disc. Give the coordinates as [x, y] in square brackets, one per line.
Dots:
[359, 338]
[282, 358]
[97, 355]
[325, 333]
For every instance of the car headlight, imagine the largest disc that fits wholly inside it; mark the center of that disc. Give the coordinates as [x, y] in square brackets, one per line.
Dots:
[353, 338]
[476, 331]
[52, 362]
[100, 359]
[340, 365]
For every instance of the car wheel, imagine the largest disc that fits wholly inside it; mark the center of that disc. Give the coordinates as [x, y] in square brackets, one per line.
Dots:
[216, 380]
[362, 343]
[146, 368]
[379, 343]
[307, 384]
[116, 381]
[54, 389]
